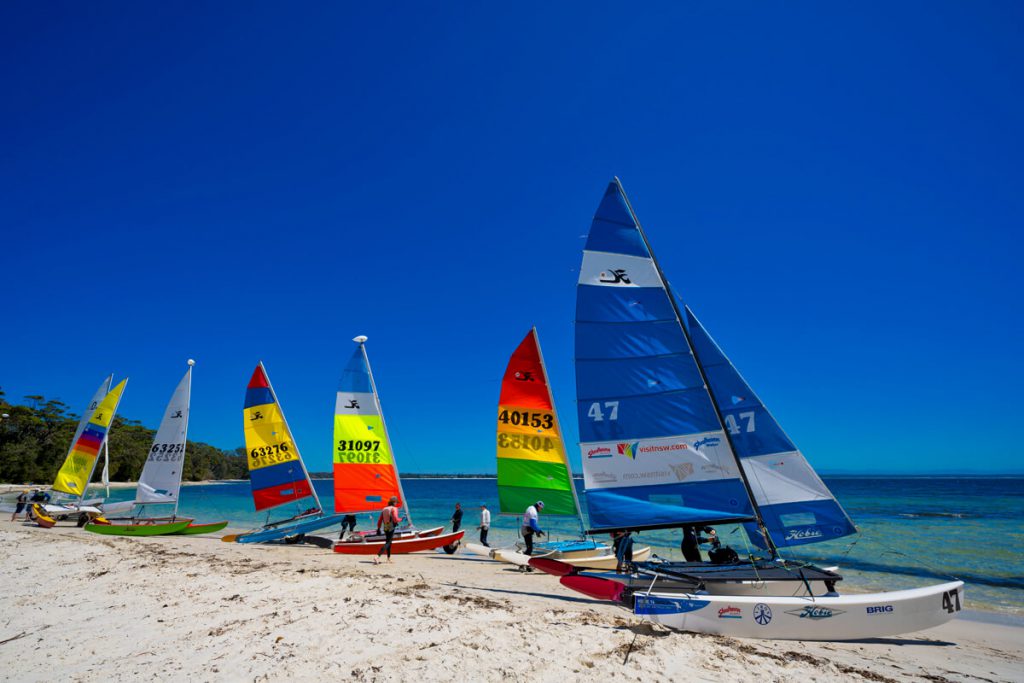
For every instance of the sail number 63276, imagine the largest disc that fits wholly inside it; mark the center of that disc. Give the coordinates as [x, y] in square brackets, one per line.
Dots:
[600, 410]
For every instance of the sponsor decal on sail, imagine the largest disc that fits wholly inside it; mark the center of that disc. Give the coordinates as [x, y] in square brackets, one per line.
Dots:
[650, 604]
[629, 449]
[803, 534]
[815, 612]
[599, 452]
[730, 612]
[708, 441]
[682, 470]
[604, 477]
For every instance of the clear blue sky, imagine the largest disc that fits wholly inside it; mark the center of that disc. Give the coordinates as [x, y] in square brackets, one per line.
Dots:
[836, 189]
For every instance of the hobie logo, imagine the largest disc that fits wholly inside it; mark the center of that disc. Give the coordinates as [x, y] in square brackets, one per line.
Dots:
[176, 415]
[815, 612]
[629, 449]
[256, 415]
[353, 404]
[615, 277]
[730, 612]
[600, 452]
[524, 376]
[709, 441]
[803, 534]
[880, 609]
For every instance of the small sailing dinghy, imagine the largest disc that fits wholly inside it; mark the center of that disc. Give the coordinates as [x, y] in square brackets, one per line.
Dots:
[671, 435]
[533, 465]
[160, 481]
[365, 473]
[80, 464]
[276, 472]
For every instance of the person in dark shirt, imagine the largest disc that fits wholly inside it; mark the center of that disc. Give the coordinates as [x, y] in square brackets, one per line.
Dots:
[623, 551]
[457, 518]
[691, 542]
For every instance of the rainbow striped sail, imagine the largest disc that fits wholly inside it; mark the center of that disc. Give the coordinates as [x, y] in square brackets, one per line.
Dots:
[78, 468]
[276, 472]
[532, 463]
[365, 476]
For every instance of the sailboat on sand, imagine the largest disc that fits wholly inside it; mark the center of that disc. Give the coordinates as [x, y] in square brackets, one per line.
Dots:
[160, 481]
[533, 465]
[671, 435]
[80, 464]
[276, 472]
[365, 472]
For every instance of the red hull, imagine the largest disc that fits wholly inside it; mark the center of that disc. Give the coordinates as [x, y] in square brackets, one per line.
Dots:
[409, 545]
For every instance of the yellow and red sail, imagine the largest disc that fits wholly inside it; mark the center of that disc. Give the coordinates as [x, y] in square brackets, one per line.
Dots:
[364, 469]
[75, 473]
[531, 456]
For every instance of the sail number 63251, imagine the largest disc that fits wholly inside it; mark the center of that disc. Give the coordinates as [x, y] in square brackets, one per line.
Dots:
[600, 410]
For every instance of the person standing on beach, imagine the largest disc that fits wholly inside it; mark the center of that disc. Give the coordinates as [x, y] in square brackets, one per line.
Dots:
[348, 522]
[457, 518]
[485, 524]
[20, 505]
[387, 521]
[691, 542]
[623, 550]
[531, 525]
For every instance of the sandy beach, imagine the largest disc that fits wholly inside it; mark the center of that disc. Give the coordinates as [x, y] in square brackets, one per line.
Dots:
[84, 607]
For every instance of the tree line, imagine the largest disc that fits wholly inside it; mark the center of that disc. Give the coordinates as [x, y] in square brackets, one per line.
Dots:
[34, 439]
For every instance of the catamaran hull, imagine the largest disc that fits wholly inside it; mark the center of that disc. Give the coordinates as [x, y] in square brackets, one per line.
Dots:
[141, 529]
[399, 547]
[585, 560]
[846, 617]
[194, 529]
[279, 532]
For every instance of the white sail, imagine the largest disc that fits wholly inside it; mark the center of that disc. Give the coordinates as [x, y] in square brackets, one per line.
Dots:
[160, 480]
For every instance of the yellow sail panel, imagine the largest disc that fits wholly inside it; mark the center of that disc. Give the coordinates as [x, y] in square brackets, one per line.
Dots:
[76, 471]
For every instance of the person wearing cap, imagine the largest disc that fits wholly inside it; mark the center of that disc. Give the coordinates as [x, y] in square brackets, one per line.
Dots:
[530, 525]
[485, 524]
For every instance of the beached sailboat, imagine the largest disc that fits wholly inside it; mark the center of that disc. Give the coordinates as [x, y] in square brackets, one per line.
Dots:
[671, 435]
[160, 481]
[276, 472]
[365, 473]
[80, 464]
[532, 461]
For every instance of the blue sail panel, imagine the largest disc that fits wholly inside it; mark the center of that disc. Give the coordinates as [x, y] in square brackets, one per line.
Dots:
[614, 340]
[355, 378]
[634, 507]
[648, 428]
[795, 504]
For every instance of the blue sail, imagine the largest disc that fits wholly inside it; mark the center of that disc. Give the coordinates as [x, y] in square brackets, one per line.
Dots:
[654, 452]
[796, 506]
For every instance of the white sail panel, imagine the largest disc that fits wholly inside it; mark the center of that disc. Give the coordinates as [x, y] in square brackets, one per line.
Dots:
[160, 481]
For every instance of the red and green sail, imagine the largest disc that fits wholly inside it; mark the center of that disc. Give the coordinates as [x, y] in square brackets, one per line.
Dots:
[532, 462]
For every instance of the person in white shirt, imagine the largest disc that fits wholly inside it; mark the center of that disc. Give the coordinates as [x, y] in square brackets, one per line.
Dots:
[531, 525]
[485, 524]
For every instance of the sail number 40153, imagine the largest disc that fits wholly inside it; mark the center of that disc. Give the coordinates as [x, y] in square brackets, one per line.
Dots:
[600, 410]
[527, 419]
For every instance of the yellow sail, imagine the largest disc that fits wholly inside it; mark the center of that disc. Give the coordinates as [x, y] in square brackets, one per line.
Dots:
[75, 473]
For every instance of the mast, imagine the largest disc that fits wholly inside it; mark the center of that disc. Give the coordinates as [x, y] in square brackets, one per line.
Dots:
[565, 453]
[361, 340]
[105, 477]
[286, 426]
[184, 446]
[700, 368]
[106, 437]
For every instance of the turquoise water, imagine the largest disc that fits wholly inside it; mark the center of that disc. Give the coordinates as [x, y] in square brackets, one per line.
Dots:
[915, 530]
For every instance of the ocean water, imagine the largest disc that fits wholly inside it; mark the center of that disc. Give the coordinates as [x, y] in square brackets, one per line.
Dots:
[914, 530]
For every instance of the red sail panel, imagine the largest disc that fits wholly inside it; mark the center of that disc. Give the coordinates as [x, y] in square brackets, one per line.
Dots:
[524, 384]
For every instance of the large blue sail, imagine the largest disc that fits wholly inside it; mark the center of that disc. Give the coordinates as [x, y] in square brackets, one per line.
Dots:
[795, 505]
[654, 452]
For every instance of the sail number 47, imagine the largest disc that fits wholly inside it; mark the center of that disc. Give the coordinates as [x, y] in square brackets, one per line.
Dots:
[951, 601]
[597, 414]
[734, 426]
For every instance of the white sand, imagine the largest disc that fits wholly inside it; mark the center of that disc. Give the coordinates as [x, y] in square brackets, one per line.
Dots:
[78, 606]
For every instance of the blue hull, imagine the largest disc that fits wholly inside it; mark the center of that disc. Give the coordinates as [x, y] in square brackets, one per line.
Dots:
[279, 532]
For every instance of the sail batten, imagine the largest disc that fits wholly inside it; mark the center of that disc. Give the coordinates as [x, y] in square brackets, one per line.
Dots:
[532, 461]
[654, 452]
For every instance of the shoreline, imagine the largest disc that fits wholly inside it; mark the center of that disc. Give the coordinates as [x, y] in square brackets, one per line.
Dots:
[300, 612]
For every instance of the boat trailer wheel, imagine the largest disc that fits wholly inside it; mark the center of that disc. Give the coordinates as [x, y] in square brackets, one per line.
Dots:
[451, 548]
[83, 519]
[292, 540]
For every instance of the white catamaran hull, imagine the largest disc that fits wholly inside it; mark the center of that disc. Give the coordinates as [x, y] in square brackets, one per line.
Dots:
[846, 617]
[584, 560]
